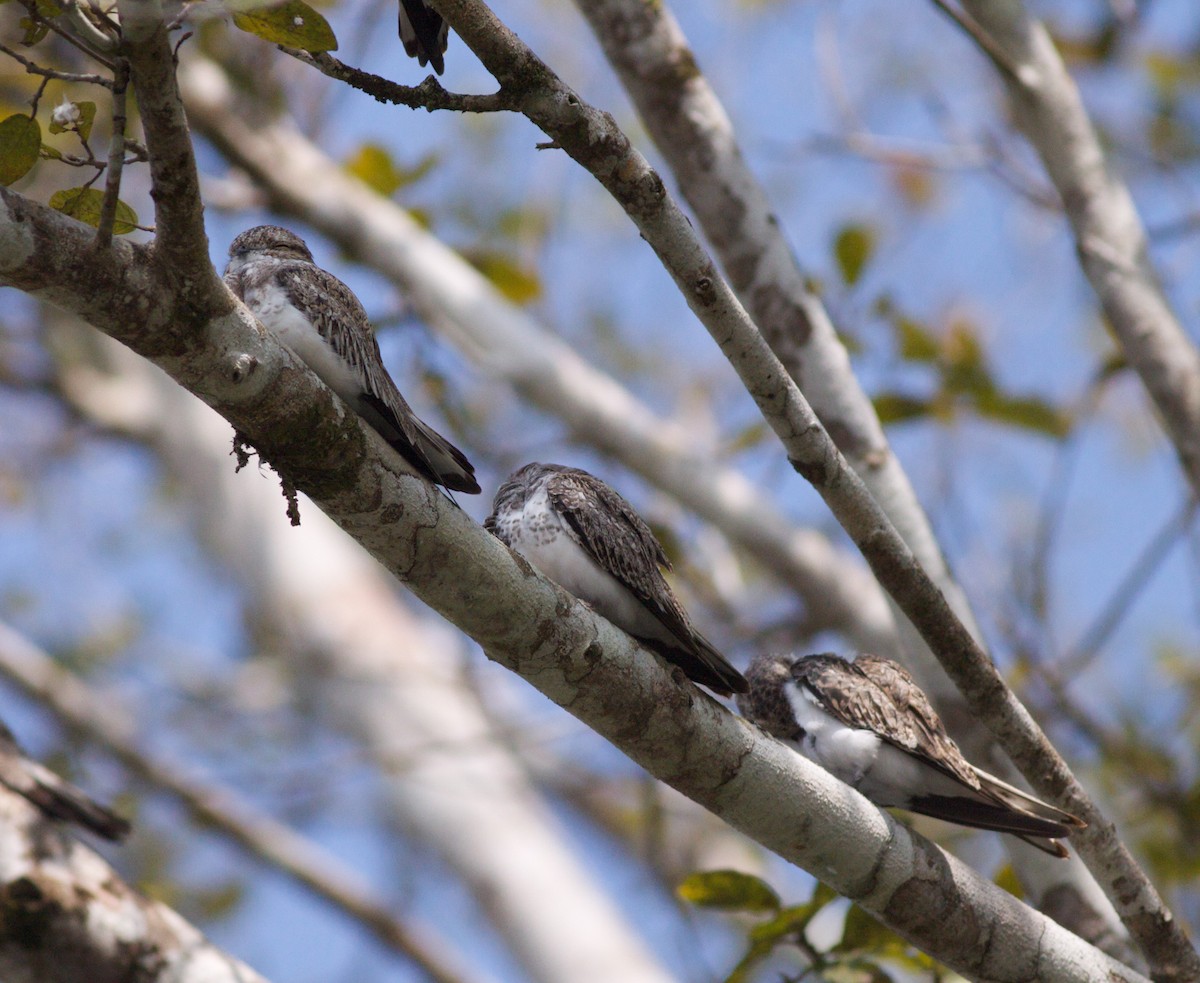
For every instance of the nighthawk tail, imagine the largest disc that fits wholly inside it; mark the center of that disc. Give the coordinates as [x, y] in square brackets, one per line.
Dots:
[1012, 811]
[1043, 834]
[702, 662]
[54, 796]
[423, 33]
[431, 454]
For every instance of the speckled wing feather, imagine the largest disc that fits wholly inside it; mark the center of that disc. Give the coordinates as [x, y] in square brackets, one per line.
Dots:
[338, 315]
[878, 694]
[617, 538]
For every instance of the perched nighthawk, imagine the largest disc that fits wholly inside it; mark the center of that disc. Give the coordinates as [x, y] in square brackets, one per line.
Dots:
[54, 796]
[319, 318]
[587, 538]
[423, 33]
[869, 724]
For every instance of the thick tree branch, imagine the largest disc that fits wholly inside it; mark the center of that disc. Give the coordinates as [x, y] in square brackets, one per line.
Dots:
[261, 836]
[592, 139]
[1109, 237]
[578, 660]
[67, 916]
[387, 677]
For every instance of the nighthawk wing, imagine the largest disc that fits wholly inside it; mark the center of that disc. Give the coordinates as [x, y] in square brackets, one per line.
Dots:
[911, 722]
[54, 796]
[617, 538]
[423, 33]
[996, 805]
[336, 313]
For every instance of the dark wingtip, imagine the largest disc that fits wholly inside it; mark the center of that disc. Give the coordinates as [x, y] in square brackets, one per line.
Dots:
[464, 483]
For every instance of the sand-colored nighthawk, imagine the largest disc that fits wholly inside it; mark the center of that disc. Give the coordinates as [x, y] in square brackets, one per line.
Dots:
[318, 317]
[584, 536]
[868, 723]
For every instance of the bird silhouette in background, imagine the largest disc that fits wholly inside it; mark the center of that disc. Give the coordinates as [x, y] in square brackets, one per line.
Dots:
[423, 33]
[869, 724]
[318, 317]
[581, 534]
[55, 797]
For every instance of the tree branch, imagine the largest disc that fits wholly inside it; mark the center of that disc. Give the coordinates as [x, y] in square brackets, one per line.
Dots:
[261, 836]
[577, 659]
[682, 114]
[69, 917]
[429, 95]
[180, 244]
[593, 140]
[1109, 237]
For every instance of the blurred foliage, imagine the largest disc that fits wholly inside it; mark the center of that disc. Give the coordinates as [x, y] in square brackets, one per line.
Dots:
[374, 165]
[853, 247]
[517, 283]
[962, 380]
[854, 958]
[20, 142]
[85, 204]
[294, 24]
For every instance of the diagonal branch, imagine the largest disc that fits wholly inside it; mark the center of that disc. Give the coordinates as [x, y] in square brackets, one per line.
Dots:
[68, 916]
[682, 114]
[592, 139]
[180, 244]
[1110, 239]
[533, 627]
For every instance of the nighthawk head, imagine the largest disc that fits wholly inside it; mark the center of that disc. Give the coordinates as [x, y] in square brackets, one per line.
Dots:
[869, 724]
[267, 240]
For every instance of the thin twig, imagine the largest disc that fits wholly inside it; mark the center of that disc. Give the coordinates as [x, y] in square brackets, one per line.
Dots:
[986, 42]
[34, 69]
[116, 158]
[428, 95]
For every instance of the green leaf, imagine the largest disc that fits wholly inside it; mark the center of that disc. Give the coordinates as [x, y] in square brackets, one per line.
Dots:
[896, 407]
[20, 144]
[1027, 413]
[85, 204]
[374, 167]
[83, 125]
[852, 249]
[293, 24]
[518, 285]
[916, 344]
[35, 31]
[862, 933]
[729, 890]
[786, 926]
[50, 153]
